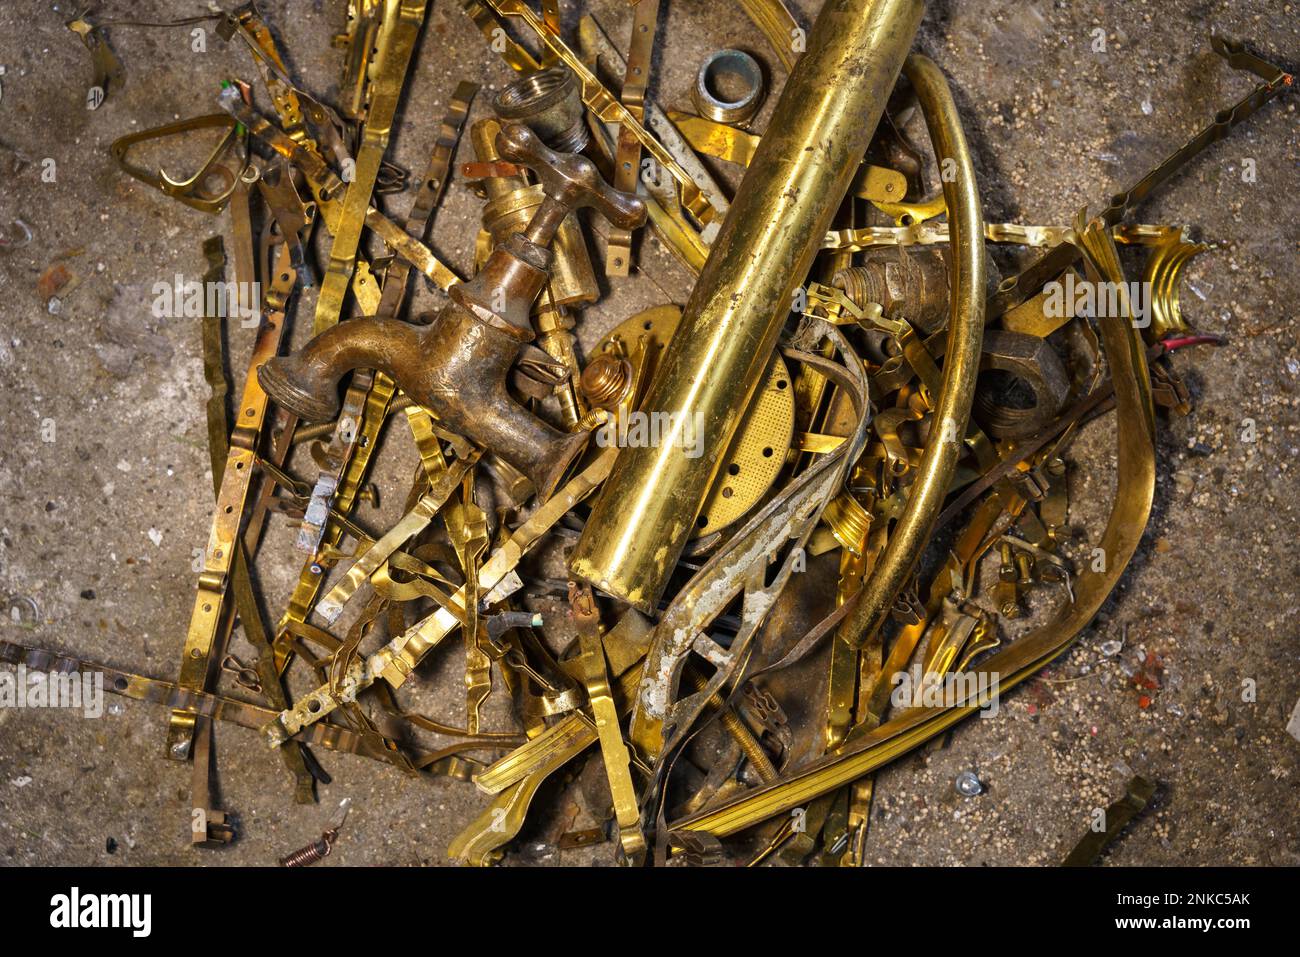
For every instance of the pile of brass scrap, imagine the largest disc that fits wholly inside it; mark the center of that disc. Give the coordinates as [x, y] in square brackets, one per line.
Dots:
[697, 558]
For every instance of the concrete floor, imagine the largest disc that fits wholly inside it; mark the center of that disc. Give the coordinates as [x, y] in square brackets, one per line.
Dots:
[97, 526]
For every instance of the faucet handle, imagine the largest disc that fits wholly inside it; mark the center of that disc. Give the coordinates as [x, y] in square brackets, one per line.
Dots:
[568, 179]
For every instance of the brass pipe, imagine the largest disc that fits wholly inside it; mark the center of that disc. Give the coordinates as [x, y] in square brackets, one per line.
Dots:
[801, 171]
[960, 363]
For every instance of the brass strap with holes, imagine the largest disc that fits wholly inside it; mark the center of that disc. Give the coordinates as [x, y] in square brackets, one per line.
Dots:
[241, 584]
[430, 193]
[361, 26]
[288, 106]
[467, 530]
[597, 48]
[216, 707]
[627, 155]
[398, 31]
[200, 640]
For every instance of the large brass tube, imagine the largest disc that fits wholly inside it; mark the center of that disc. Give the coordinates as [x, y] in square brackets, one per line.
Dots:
[960, 363]
[801, 171]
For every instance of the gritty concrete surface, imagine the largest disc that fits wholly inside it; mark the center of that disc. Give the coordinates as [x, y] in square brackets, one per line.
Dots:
[97, 526]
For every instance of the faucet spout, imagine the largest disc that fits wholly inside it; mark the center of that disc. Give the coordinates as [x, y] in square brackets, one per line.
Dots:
[307, 382]
[456, 368]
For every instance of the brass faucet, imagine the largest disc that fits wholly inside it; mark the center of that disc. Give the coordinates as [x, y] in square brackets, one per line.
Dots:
[457, 366]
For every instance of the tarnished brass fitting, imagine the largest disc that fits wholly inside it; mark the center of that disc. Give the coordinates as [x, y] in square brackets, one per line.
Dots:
[457, 366]
[606, 381]
[550, 103]
[510, 207]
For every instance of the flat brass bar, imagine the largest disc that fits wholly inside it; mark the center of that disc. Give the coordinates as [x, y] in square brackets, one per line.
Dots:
[219, 555]
[398, 31]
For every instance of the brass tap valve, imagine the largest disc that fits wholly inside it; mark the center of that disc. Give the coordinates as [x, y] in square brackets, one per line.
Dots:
[457, 366]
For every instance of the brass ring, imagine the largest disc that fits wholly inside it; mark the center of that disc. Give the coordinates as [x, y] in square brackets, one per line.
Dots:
[722, 106]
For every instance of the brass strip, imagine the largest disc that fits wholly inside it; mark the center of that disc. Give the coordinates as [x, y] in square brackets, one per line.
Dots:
[614, 750]
[394, 47]
[777, 24]
[209, 603]
[627, 155]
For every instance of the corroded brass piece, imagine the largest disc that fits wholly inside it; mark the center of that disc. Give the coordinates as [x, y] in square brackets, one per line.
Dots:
[606, 380]
[728, 87]
[913, 279]
[818, 134]
[550, 104]
[457, 366]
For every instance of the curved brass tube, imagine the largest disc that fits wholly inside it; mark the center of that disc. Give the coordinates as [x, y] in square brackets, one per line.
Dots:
[776, 23]
[961, 359]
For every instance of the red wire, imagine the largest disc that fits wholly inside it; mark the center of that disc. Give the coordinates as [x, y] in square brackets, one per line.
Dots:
[1179, 342]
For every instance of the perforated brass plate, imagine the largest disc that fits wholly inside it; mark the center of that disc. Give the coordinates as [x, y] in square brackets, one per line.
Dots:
[759, 447]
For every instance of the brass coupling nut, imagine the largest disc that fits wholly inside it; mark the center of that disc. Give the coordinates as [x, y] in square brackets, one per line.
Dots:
[729, 87]
[550, 103]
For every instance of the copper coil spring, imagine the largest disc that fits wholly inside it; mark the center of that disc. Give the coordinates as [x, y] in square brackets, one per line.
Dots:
[311, 853]
[606, 381]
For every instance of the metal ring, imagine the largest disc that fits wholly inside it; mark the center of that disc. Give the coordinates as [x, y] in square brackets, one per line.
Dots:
[723, 106]
[550, 103]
